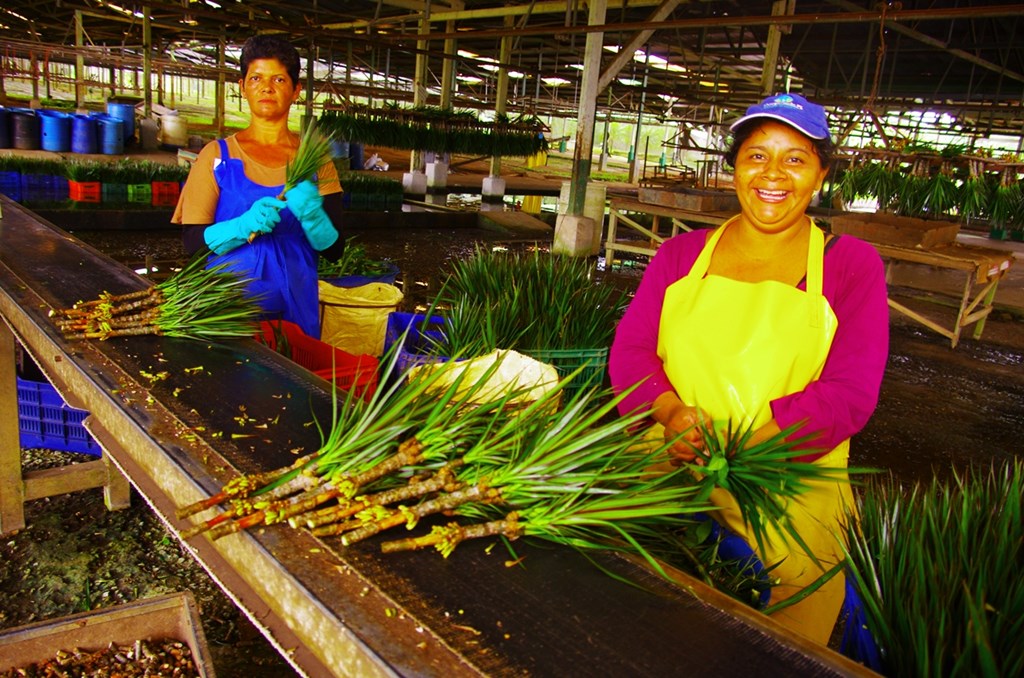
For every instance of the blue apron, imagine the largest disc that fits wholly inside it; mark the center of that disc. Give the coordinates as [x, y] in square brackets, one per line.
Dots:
[281, 264]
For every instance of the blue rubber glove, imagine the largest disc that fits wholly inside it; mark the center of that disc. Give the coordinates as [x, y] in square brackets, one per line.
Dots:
[225, 236]
[306, 203]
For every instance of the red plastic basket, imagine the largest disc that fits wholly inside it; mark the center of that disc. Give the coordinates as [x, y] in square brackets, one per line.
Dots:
[357, 373]
[165, 193]
[85, 191]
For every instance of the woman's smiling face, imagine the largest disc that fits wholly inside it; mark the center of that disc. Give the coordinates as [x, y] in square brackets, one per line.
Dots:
[776, 175]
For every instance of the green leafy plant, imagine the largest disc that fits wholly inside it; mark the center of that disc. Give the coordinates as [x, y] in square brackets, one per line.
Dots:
[435, 129]
[937, 567]
[529, 302]
[353, 261]
[197, 303]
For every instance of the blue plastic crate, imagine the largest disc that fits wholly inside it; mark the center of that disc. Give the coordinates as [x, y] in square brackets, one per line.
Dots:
[417, 349]
[10, 185]
[43, 188]
[46, 421]
[388, 278]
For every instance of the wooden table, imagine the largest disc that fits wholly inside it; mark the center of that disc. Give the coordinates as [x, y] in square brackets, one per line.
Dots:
[331, 610]
[981, 267]
[678, 219]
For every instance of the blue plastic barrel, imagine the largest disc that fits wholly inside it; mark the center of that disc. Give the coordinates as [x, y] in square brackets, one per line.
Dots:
[24, 129]
[339, 149]
[355, 155]
[111, 134]
[83, 134]
[125, 113]
[5, 128]
[55, 129]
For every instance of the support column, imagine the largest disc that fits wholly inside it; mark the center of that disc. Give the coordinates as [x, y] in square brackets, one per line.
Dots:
[310, 82]
[147, 62]
[634, 164]
[79, 64]
[575, 234]
[12, 489]
[771, 49]
[419, 95]
[437, 164]
[220, 93]
[492, 190]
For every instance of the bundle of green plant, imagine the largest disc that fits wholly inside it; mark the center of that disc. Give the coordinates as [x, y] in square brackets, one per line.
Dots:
[441, 130]
[354, 261]
[169, 172]
[762, 477]
[313, 152]
[975, 193]
[368, 442]
[198, 302]
[528, 302]
[369, 183]
[89, 170]
[1006, 204]
[937, 568]
[44, 167]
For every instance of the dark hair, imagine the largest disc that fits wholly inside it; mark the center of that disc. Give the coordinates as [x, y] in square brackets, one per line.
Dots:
[271, 47]
[823, 148]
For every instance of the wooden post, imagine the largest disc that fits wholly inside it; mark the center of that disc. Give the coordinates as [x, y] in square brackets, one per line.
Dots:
[220, 94]
[448, 69]
[79, 61]
[147, 62]
[12, 490]
[419, 85]
[583, 153]
[771, 49]
[501, 94]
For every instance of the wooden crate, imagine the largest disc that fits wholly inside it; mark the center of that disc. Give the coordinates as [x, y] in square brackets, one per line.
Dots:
[692, 199]
[171, 616]
[889, 229]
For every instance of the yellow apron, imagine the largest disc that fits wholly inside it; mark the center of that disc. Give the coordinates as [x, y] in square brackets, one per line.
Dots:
[732, 347]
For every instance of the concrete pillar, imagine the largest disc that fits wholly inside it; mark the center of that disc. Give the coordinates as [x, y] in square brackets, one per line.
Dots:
[437, 174]
[492, 194]
[593, 208]
[575, 235]
[574, 232]
[414, 184]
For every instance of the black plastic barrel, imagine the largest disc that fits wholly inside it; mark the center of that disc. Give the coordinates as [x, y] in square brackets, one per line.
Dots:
[24, 129]
[5, 128]
[111, 134]
[55, 131]
[83, 134]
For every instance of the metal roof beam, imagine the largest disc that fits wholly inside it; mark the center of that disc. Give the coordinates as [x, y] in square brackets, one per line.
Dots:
[944, 46]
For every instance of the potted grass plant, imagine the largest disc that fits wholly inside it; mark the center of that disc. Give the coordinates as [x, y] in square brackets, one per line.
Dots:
[548, 306]
[937, 568]
[356, 267]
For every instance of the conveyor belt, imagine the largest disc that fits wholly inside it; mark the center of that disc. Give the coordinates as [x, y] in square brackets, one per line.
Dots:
[335, 611]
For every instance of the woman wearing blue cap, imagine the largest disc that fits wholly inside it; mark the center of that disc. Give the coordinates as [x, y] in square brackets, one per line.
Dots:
[231, 194]
[766, 322]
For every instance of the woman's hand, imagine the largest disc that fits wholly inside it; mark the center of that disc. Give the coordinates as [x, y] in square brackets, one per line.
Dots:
[678, 419]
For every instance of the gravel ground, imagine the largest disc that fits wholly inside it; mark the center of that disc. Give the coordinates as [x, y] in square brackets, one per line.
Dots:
[75, 555]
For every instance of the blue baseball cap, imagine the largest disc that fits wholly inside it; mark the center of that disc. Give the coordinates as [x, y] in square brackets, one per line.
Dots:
[793, 110]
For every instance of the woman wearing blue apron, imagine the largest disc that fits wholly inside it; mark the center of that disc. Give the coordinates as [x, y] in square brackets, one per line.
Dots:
[229, 202]
[766, 322]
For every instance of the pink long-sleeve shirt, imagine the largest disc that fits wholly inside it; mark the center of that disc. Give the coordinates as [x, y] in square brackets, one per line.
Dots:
[834, 407]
